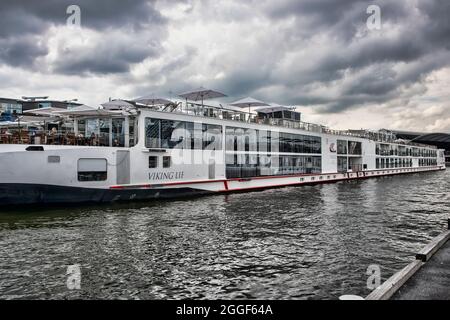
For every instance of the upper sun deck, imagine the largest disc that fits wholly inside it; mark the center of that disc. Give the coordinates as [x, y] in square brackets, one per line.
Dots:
[276, 119]
[116, 125]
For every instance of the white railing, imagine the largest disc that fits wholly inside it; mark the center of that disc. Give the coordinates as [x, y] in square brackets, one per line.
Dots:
[215, 112]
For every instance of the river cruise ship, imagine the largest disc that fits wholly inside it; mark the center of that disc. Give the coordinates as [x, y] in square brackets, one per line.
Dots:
[128, 151]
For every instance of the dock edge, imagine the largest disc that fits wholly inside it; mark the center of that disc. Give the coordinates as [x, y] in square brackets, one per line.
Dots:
[395, 282]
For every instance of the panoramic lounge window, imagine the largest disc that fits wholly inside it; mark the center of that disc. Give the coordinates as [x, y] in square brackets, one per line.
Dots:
[92, 169]
[168, 134]
[354, 148]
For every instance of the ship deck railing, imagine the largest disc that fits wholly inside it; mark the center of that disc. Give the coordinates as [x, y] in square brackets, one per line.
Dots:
[12, 135]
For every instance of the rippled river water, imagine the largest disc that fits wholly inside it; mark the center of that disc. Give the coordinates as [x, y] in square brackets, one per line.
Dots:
[310, 242]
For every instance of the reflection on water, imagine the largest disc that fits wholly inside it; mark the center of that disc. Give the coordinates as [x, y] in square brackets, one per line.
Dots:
[293, 243]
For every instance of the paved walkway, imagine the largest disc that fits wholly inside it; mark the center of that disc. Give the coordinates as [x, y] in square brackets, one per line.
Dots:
[431, 282]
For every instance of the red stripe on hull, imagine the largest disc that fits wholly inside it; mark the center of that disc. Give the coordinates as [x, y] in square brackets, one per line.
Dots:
[359, 175]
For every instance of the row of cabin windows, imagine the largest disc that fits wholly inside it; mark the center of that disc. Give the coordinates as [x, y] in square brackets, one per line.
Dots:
[153, 162]
[382, 163]
[386, 163]
[403, 151]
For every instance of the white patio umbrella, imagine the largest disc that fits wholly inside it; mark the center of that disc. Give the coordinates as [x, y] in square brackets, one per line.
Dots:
[117, 104]
[249, 102]
[201, 94]
[152, 100]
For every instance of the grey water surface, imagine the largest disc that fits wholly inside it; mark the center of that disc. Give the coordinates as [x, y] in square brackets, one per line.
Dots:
[309, 242]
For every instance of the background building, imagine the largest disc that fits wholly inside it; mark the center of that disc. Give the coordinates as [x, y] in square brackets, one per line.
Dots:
[10, 106]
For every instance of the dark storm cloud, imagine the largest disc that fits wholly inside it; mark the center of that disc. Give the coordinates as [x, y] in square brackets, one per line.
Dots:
[424, 32]
[342, 17]
[303, 52]
[437, 30]
[243, 81]
[21, 51]
[98, 14]
[108, 58]
[21, 22]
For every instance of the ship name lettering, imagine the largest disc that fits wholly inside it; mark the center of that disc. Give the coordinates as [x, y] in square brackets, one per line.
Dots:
[166, 175]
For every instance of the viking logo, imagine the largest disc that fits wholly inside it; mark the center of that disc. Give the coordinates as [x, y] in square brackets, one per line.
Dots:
[333, 147]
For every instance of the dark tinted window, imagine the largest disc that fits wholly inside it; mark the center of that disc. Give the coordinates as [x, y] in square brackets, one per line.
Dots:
[153, 162]
[166, 162]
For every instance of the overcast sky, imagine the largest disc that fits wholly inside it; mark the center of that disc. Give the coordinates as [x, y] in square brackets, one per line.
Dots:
[318, 55]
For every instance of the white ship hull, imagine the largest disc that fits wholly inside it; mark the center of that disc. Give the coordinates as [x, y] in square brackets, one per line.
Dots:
[27, 193]
[57, 174]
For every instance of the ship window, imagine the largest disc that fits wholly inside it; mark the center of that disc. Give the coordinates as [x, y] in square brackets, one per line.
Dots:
[278, 114]
[92, 170]
[153, 162]
[341, 147]
[354, 147]
[294, 143]
[212, 137]
[172, 134]
[168, 134]
[166, 162]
